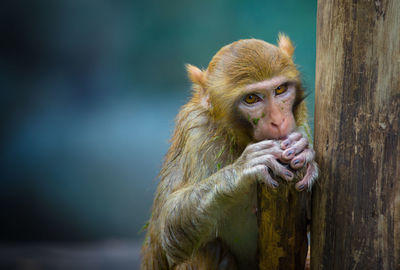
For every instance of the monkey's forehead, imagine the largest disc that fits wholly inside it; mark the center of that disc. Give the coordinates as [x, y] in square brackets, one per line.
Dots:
[234, 76]
[250, 60]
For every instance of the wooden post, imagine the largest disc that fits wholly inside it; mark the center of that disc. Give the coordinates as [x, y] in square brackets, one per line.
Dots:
[356, 202]
[282, 222]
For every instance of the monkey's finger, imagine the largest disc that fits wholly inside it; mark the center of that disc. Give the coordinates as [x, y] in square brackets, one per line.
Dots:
[266, 177]
[266, 144]
[261, 160]
[298, 162]
[279, 169]
[275, 151]
[302, 159]
[309, 178]
[300, 145]
[291, 139]
[296, 148]
[271, 162]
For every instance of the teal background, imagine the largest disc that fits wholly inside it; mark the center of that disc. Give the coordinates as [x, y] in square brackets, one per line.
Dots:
[89, 92]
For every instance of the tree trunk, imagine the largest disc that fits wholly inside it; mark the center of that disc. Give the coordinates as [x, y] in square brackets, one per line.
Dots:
[356, 202]
[282, 222]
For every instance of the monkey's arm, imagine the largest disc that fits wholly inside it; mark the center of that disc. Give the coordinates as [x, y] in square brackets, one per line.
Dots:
[190, 215]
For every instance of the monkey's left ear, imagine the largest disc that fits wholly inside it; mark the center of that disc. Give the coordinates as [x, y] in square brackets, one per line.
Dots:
[285, 44]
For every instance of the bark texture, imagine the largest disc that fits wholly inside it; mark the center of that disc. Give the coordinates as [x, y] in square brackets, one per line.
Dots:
[282, 221]
[356, 201]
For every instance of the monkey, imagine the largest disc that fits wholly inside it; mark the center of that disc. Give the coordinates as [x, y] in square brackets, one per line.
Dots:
[246, 123]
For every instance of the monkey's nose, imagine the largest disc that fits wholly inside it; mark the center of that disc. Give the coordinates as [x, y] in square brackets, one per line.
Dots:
[278, 123]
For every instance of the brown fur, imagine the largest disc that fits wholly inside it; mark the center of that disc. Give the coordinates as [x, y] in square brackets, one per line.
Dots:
[209, 136]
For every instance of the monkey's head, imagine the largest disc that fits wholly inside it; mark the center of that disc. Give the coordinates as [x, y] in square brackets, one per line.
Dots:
[251, 88]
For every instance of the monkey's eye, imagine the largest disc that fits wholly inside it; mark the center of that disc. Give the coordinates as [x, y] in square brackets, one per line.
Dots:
[251, 99]
[281, 89]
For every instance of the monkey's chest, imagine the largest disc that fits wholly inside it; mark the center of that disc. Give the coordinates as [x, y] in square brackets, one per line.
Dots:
[240, 232]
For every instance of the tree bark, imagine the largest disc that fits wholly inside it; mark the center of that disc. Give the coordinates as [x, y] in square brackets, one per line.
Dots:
[282, 222]
[356, 202]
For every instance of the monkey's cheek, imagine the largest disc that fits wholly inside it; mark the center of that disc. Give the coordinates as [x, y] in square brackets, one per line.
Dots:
[261, 134]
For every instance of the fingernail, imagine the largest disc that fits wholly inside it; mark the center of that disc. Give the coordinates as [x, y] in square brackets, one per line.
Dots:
[286, 143]
[296, 162]
[290, 153]
[275, 184]
[300, 187]
[288, 174]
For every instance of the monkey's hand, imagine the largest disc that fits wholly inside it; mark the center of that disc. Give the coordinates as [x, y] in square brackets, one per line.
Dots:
[259, 159]
[299, 154]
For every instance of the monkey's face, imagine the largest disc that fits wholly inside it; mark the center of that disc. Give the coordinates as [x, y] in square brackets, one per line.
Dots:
[267, 105]
[251, 89]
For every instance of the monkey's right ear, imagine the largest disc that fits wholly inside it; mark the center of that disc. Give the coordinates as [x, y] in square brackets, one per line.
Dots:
[199, 80]
[196, 75]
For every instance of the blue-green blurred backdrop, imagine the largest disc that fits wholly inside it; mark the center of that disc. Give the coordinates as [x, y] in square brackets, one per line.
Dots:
[89, 91]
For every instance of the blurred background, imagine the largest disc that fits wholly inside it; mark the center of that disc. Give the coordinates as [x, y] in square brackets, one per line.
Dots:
[88, 94]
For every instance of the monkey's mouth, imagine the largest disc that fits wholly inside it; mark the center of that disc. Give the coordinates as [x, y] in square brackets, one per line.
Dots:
[280, 138]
